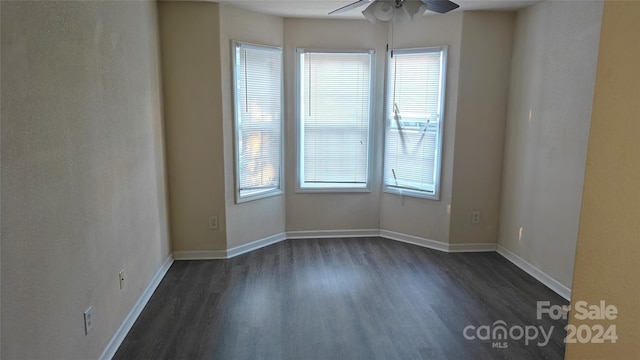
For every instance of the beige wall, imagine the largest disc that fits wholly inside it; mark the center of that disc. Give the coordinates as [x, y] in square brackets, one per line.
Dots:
[549, 110]
[306, 211]
[82, 172]
[190, 42]
[479, 134]
[420, 217]
[488, 38]
[488, 33]
[258, 219]
[196, 58]
[608, 247]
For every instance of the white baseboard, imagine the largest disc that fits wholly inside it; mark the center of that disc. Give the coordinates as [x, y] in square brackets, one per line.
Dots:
[540, 275]
[131, 318]
[324, 234]
[461, 248]
[229, 253]
[327, 234]
[415, 240]
[255, 245]
[200, 255]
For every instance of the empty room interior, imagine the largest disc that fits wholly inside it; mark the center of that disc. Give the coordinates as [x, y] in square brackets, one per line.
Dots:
[320, 180]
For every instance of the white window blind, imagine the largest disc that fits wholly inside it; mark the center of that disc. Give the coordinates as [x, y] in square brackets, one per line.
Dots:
[334, 118]
[258, 118]
[414, 121]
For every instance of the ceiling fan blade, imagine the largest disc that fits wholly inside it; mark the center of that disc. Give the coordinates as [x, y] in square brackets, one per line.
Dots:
[440, 6]
[350, 6]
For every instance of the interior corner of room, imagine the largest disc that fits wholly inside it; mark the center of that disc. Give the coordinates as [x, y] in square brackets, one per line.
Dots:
[118, 153]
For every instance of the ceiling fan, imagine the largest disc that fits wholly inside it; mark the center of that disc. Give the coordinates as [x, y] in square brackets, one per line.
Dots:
[384, 10]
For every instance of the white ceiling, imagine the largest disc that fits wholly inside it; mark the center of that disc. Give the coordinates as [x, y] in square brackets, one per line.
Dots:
[321, 8]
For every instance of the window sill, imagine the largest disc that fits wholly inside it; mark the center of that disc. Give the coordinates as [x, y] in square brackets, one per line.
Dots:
[258, 196]
[325, 190]
[412, 193]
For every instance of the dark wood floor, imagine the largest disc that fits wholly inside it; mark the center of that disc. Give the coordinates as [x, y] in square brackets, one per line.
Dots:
[356, 298]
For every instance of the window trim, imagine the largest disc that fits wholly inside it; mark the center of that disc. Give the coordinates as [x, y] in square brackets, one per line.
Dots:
[440, 138]
[331, 188]
[236, 124]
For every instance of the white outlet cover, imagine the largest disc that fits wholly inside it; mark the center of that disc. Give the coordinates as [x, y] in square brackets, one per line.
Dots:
[213, 222]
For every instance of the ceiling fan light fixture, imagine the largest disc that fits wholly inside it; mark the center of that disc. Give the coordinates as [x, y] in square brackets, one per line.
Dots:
[401, 16]
[370, 15]
[420, 13]
[383, 11]
[412, 7]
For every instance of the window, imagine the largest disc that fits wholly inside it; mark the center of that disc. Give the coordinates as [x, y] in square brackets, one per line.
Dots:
[413, 134]
[257, 89]
[334, 105]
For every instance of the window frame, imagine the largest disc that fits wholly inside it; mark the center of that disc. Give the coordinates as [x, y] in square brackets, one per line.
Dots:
[237, 119]
[439, 138]
[332, 187]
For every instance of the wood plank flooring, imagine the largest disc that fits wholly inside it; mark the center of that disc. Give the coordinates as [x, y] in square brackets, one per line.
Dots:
[352, 298]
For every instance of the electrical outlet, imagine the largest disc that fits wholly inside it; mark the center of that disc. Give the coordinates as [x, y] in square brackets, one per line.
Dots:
[88, 320]
[475, 217]
[121, 275]
[213, 222]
